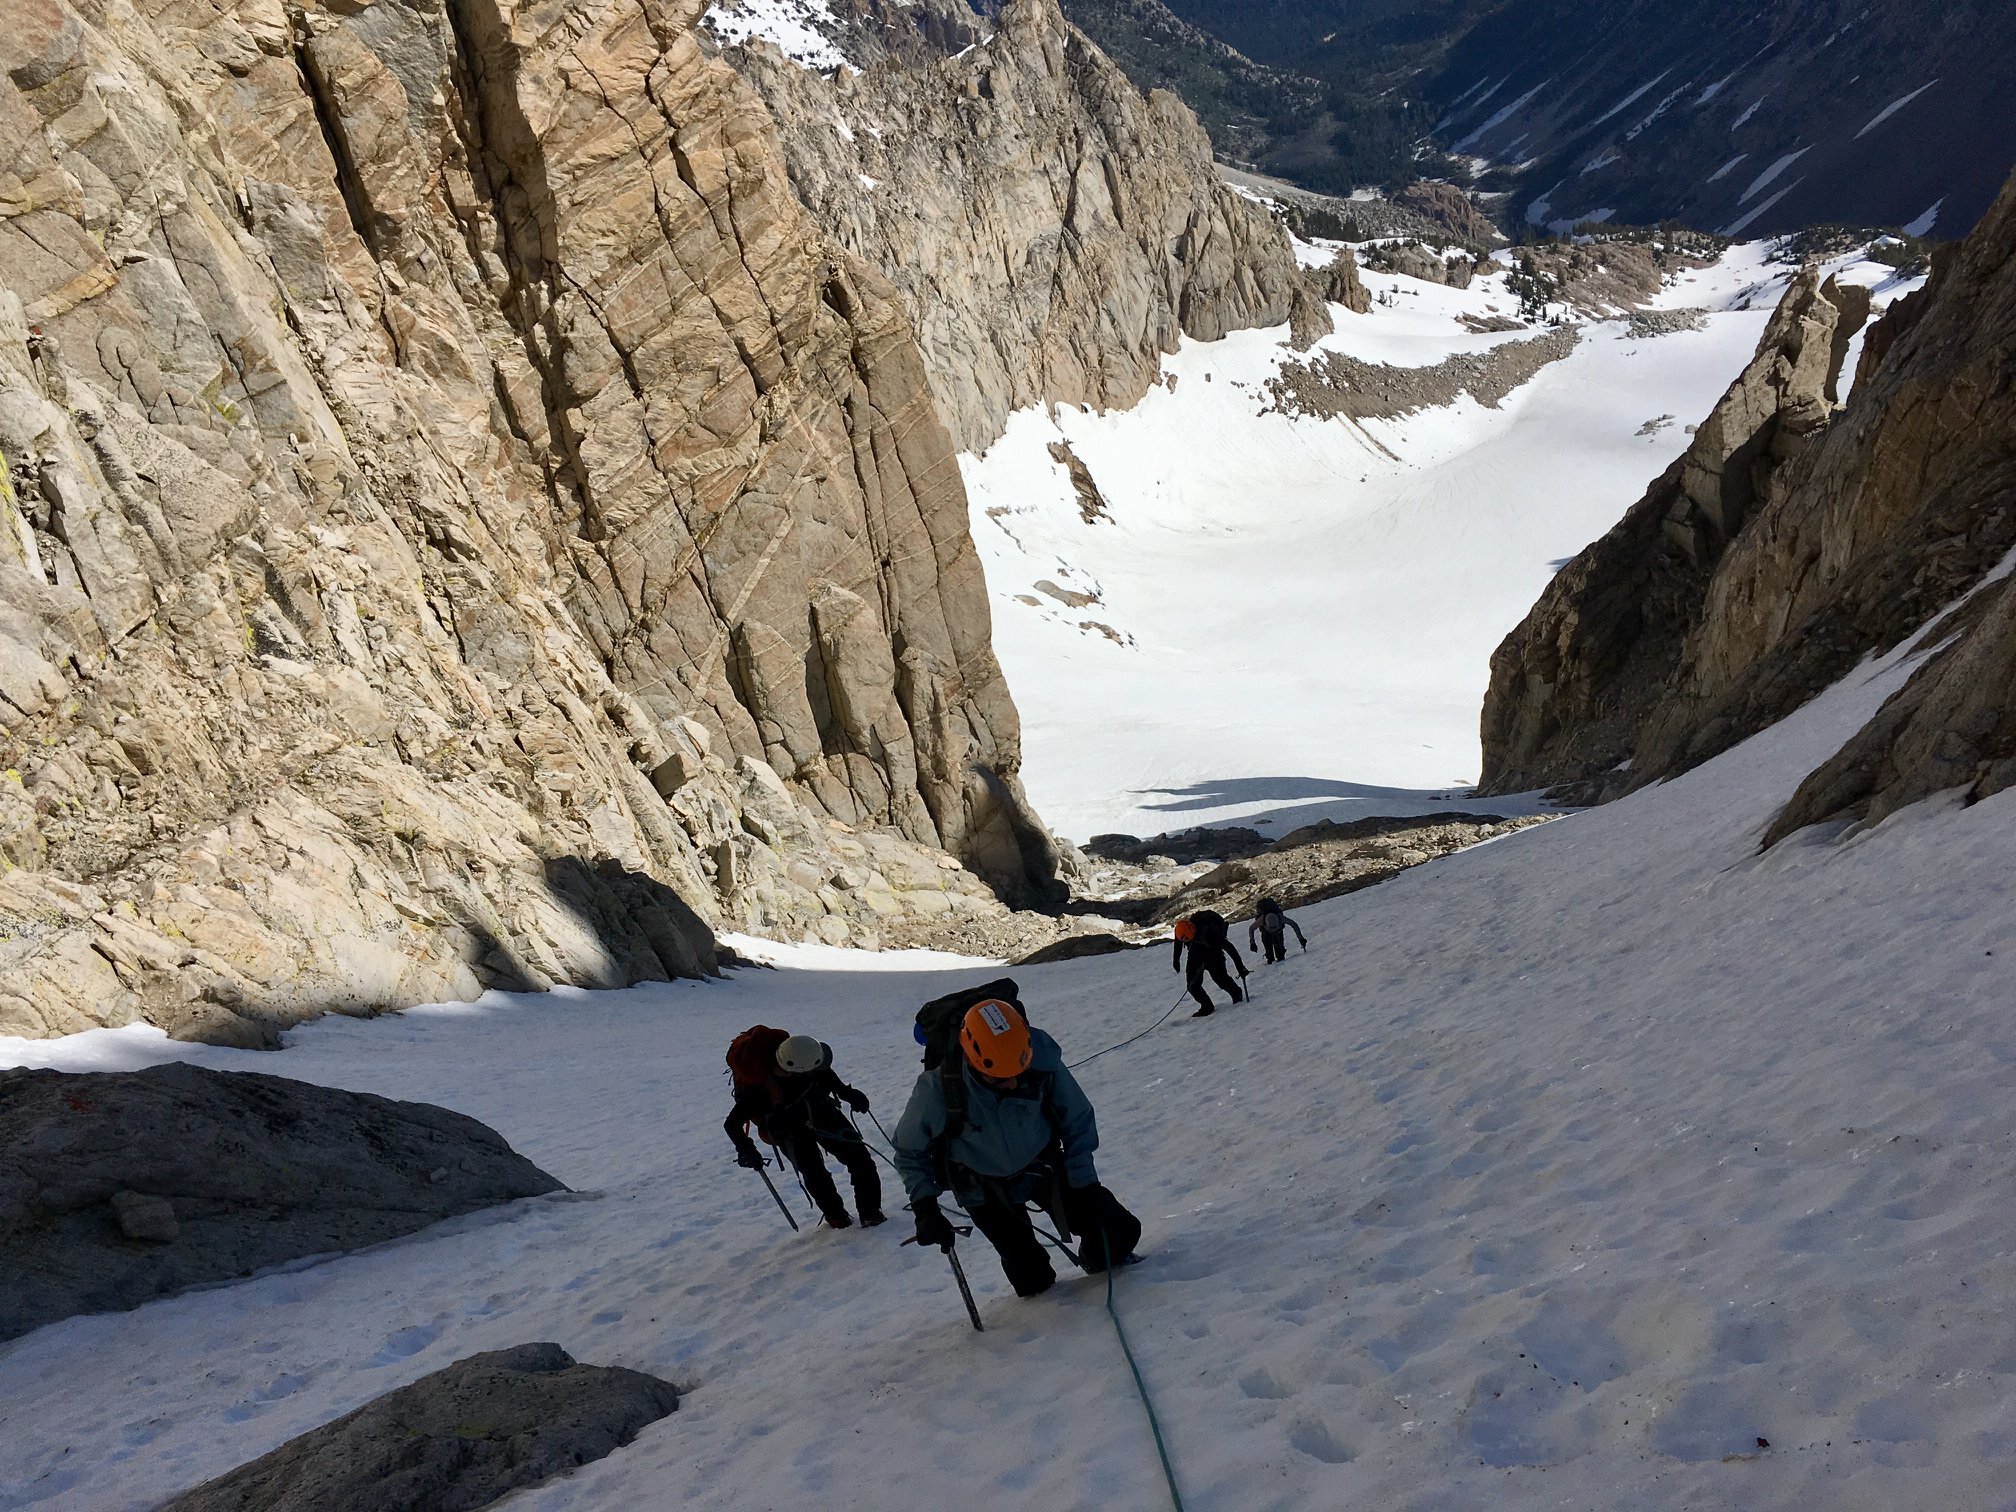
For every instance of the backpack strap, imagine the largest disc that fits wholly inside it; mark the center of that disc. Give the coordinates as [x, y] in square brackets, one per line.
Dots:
[952, 1091]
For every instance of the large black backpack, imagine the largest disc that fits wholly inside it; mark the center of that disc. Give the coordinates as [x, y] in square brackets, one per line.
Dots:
[1210, 926]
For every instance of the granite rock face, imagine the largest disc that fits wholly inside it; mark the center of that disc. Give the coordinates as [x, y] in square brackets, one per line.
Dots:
[465, 523]
[1577, 687]
[458, 1439]
[120, 1187]
[1795, 538]
[1051, 231]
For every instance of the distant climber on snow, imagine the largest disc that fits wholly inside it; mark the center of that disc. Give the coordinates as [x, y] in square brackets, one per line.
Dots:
[1270, 927]
[786, 1087]
[998, 1121]
[1205, 934]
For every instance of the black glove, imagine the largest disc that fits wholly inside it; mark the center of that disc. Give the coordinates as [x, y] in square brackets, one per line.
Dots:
[746, 1155]
[933, 1227]
[855, 1099]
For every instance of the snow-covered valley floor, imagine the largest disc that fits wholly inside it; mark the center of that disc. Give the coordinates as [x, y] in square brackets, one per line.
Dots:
[1607, 1165]
[1303, 610]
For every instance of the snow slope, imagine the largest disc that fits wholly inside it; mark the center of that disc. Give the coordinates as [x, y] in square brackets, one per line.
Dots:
[800, 29]
[1302, 611]
[1607, 1165]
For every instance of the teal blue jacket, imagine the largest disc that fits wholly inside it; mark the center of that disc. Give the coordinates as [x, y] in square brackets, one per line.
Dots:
[1005, 1129]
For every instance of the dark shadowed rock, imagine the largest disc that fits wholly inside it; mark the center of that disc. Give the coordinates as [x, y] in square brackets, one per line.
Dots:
[452, 1441]
[119, 1187]
[1077, 948]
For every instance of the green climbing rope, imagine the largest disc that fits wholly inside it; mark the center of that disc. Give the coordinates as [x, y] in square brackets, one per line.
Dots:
[1140, 1384]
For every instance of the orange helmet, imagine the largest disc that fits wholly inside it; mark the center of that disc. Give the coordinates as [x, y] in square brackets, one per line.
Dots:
[1185, 931]
[996, 1039]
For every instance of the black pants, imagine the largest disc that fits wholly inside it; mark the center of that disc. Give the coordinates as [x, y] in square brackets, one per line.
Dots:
[1106, 1231]
[1275, 946]
[1007, 1227]
[803, 1145]
[1212, 961]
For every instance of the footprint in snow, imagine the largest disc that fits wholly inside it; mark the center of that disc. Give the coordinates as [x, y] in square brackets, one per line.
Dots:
[406, 1343]
[1318, 1441]
[1262, 1386]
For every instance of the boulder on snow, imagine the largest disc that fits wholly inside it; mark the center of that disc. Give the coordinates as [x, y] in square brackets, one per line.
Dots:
[119, 1187]
[452, 1441]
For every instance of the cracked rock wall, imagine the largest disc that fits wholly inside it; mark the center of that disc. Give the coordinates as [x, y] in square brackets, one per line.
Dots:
[464, 524]
[1051, 230]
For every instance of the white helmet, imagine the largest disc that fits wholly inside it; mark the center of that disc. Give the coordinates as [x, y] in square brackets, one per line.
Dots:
[800, 1055]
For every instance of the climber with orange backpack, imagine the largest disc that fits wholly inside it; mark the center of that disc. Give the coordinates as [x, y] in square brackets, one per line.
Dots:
[1204, 932]
[785, 1086]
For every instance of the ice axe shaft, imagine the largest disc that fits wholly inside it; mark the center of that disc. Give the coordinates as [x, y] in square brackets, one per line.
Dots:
[959, 1275]
[965, 1291]
[774, 1197]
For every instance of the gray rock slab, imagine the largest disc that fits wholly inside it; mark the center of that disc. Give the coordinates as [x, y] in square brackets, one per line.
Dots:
[455, 1440]
[119, 1187]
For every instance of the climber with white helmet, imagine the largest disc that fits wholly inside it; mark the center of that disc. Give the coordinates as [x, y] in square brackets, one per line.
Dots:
[786, 1088]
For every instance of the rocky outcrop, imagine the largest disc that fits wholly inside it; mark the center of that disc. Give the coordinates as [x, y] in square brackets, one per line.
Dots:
[119, 1187]
[1334, 383]
[1328, 860]
[454, 485]
[458, 1439]
[1788, 544]
[1411, 259]
[1339, 283]
[1606, 276]
[1051, 231]
[1951, 729]
[1576, 685]
[1453, 210]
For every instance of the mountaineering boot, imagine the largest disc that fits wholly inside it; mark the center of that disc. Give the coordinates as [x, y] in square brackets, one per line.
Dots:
[839, 1220]
[872, 1216]
[1205, 1012]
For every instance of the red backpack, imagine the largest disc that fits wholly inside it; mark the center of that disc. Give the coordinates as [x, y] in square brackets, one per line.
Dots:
[752, 1060]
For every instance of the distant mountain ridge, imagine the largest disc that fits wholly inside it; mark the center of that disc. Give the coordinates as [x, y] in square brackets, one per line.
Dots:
[1740, 118]
[1723, 114]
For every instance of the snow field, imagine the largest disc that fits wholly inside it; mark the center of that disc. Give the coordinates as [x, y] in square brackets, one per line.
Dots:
[1559, 1172]
[1306, 608]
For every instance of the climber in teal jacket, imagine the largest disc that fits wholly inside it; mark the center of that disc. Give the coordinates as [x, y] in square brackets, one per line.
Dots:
[1009, 1126]
[1025, 1129]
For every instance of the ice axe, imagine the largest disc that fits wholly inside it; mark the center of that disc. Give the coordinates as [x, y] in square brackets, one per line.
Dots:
[774, 1196]
[959, 1275]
